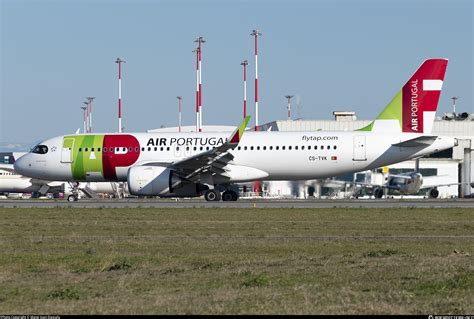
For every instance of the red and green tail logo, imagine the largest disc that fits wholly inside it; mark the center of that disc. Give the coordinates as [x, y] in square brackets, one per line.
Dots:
[414, 106]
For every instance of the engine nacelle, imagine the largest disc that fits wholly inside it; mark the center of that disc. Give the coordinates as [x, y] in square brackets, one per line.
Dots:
[159, 181]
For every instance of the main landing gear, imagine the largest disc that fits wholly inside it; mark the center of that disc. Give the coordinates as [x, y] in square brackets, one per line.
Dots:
[213, 195]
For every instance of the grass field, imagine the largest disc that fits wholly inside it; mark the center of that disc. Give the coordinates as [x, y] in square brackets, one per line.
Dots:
[231, 261]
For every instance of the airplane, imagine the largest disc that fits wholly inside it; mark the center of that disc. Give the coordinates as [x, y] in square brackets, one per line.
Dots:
[192, 164]
[13, 183]
[409, 183]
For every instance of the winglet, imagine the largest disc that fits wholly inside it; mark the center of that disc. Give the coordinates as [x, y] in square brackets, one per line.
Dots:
[237, 135]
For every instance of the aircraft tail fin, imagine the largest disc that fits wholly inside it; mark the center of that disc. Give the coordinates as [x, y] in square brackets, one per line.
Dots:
[414, 107]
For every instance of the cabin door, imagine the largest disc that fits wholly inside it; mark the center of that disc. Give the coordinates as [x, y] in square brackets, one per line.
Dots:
[359, 148]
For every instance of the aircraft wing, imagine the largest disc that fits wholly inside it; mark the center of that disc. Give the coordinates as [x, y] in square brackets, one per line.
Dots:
[379, 186]
[47, 183]
[368, 185]
[8, 168]
[400, 176]
[417, 142]
[210, 161]
[446, 184]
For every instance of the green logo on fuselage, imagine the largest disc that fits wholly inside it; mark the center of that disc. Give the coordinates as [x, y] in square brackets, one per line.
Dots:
[86, 155]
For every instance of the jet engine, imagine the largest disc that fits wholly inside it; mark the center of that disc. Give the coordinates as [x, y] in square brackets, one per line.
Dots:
[160, 181]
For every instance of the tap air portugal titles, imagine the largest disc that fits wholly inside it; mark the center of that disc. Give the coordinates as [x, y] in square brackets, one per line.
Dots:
[190, 164]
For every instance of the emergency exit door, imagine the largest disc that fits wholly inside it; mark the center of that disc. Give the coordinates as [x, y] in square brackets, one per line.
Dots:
[66, 151]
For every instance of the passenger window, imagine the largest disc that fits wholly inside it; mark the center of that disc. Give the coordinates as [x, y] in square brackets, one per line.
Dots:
[251, 148]
[277, 147]
[201, 148]
[136, 149]
[195, 148]
[86, 149]
[328, 147]
[245, 148]
[168, 148]
[92, 149]
[302, 147]
[283, 147]
[105, 149]
[177, 148]
[143, 149]
[335, 147]
[80, 149]
[239, 148]
[207, 148]
[296, 147]
[258, 148]
[124, 149]
[315, 147]
[187, 148]
[309, 147]
[264, 148]
[155, 149]
[98, 149]
[289, 147]
[271, 148]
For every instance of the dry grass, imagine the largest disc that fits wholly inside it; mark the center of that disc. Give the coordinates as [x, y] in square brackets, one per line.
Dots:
[249, 261]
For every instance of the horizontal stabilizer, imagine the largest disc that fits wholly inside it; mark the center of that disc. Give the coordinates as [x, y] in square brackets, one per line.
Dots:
[421, 141]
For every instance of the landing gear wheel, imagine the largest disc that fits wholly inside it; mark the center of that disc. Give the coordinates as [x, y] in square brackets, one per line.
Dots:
[228, 196]
[378, 193]
[212, 195]
[72, 198]
[235, 196]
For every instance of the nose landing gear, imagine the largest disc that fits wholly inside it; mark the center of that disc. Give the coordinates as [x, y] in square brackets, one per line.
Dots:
[74, 196]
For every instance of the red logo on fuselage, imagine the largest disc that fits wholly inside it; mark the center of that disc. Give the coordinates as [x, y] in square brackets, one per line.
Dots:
[119, 151]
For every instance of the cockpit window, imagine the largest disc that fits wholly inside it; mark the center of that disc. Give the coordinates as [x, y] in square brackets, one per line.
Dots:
[40, 149]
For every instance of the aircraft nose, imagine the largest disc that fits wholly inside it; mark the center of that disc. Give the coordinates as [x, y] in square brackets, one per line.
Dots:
[21, 165]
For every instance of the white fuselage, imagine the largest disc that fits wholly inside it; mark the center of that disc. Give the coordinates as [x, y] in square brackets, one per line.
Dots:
[279, 155]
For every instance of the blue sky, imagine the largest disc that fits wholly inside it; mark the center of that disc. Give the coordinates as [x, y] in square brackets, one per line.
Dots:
[332, 55]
